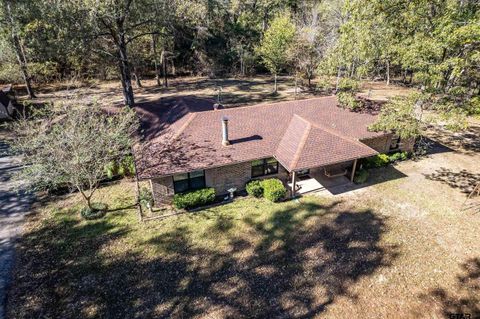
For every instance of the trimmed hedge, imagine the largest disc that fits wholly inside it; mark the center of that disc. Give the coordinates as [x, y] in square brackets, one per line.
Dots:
[273, 189]
[194, 199]
[399, 156]
[376, 161]
[361, 176]
[255, 188]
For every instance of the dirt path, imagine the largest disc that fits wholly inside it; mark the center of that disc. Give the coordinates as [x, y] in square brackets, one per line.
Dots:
[13, 208]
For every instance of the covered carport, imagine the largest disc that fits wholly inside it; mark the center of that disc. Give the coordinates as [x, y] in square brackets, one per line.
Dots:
[318, 157]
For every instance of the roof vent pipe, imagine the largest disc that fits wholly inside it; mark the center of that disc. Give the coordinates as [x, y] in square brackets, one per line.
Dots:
[225, 141]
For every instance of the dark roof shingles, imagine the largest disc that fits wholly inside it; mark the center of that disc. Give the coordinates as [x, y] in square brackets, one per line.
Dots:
[194, 141]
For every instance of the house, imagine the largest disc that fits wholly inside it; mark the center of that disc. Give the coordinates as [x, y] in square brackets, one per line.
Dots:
[191, 145]
[6, 103]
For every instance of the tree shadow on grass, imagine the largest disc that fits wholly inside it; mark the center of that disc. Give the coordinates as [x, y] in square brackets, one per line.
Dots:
[291, 265]
[463, 180]
[466, 298]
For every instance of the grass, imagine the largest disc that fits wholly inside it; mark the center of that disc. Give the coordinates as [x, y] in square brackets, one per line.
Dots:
[248, 258]
[400, 247]
[235, 91]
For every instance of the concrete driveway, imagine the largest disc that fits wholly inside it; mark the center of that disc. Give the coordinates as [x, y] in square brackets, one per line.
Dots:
[13, 208]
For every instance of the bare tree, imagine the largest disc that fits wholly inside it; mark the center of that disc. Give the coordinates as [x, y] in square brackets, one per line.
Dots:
[71, 145]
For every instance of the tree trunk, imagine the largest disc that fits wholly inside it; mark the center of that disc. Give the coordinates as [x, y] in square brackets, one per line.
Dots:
[125, 72]
[85, 197]
[296, 85]
[155, 61]
[388, 72]
[338, 80]
[164, 66]
[20, 54]
[137, 78]
[275, 83]
[174, 72]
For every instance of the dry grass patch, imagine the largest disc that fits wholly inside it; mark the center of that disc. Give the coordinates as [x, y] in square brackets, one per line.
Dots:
[249, 258]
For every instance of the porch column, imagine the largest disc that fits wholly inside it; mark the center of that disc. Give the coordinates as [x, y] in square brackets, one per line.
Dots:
[353, 170]
[294, 183]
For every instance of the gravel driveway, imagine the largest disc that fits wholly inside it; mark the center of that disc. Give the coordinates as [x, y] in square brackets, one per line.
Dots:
[13, 208]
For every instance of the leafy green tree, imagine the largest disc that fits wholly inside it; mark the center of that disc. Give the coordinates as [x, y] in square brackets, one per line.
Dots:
[12, 27]
[276, 43]
[401, 115]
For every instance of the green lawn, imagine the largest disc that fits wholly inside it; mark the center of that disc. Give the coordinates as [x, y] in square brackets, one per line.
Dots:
[248, 258]
[395, 248]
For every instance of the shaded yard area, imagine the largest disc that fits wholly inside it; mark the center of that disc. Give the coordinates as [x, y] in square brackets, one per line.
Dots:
[382, 248]
[402, 245]
[234, 91]
[246, 259]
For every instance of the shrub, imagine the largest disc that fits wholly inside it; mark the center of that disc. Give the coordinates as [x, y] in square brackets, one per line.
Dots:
[324, 85]
[111, 169]
[145, 197]
[348, 100]
[255, 189]
[377, 161]
[124, 167]
[97, 211]
[361, 176]
[273, 189]
[399, 156]
[193, 199]
[348, 85]
[473, 106]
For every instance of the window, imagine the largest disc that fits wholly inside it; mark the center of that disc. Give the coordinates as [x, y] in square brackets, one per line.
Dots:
[188, 181]
[264, 167]
[395, 142]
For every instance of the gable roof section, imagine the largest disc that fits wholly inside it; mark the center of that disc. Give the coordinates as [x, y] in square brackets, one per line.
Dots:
[292, 143]
[306, 145]
[299, 134]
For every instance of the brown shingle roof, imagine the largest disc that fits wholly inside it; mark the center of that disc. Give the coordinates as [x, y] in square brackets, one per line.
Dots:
[315, 146]
[300, 134]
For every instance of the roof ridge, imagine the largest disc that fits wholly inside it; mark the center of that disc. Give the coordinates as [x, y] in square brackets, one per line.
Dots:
[267, 104]
[302, 143]
[333, 132]
[192, 115]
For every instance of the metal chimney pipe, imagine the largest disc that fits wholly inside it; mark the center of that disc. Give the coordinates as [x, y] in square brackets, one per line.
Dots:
[225, 141]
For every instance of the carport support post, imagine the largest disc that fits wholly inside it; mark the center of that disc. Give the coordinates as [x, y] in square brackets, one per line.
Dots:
[294, 183]
[353, 170]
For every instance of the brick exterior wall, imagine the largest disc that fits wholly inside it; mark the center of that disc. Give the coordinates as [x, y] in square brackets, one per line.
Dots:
[382, 144]
[407, 145]
[237, 175]
[162, 190]
[226, 177]
[220, 178]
